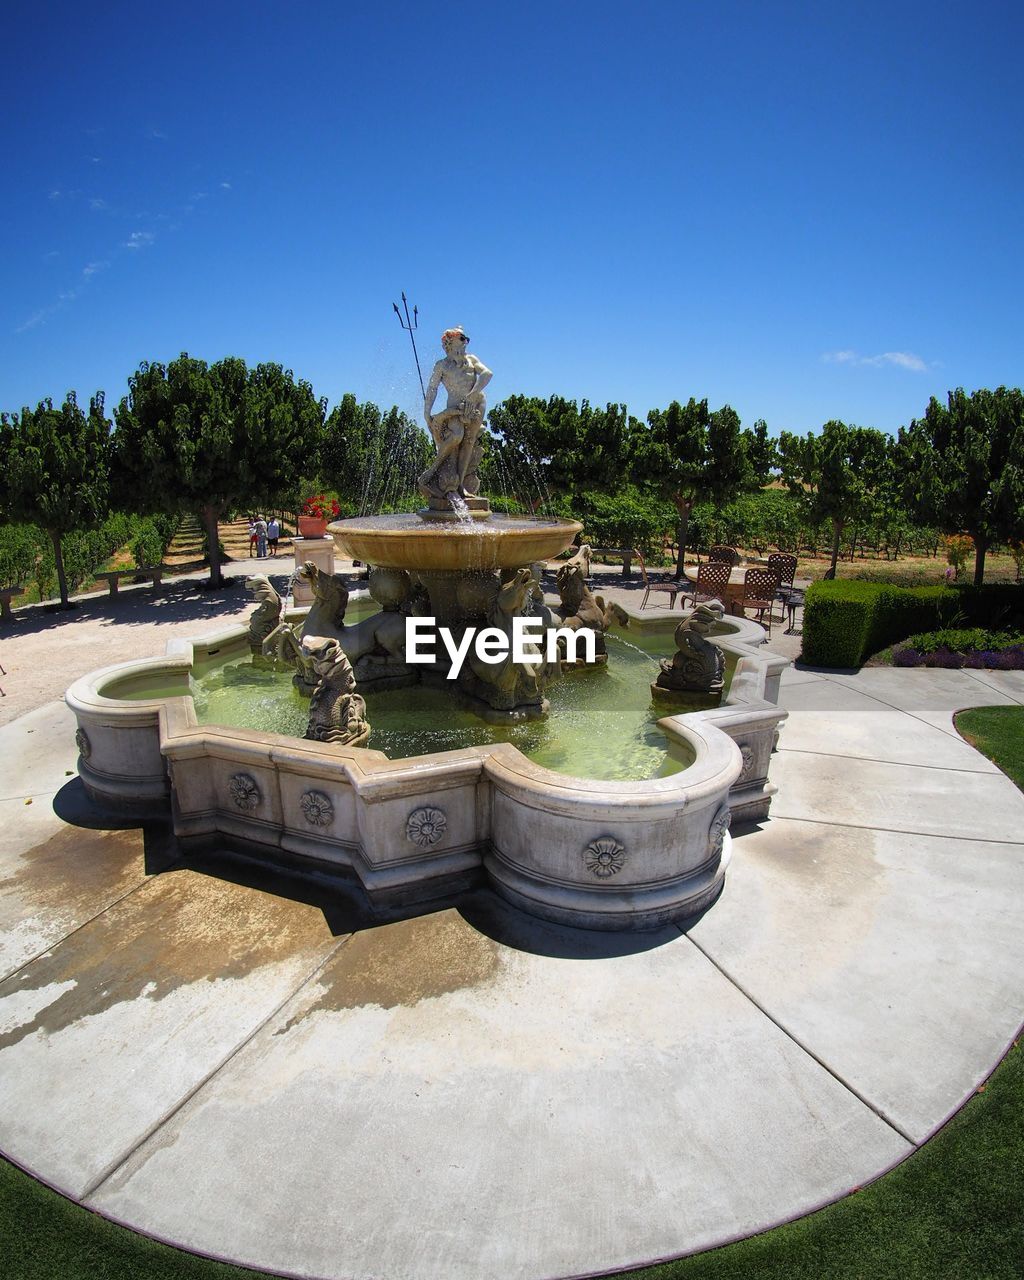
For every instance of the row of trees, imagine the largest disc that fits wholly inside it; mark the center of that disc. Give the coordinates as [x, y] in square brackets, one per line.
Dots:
[959, 468]
[213, 439]
[205, 439]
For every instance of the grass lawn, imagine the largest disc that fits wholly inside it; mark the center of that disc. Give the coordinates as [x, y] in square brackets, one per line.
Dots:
[955, 1209]
[997, 732]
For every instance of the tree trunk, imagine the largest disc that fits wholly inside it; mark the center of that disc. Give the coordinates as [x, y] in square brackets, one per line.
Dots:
[683, 507]
[58, 560]
[837, 533]
[980, 548]
[208, 517]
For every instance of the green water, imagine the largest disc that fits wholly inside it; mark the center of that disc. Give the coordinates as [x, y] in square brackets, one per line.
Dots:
[603, 721]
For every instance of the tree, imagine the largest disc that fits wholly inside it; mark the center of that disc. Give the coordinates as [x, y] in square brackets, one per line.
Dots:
[836, 475]
[689, 455]
[208, 439]
[56, 471]
[556, 446]
[373, 459]
[963, 467]
[762, 453]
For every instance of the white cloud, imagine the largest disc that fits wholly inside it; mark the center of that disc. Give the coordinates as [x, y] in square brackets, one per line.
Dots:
[901, 359]
[37, 317]
[90, 269]
[225, 186]
[138, 240]
[98, 203]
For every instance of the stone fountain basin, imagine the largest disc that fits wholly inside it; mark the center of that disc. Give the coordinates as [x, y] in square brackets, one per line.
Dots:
[408, 542]
[596, 854]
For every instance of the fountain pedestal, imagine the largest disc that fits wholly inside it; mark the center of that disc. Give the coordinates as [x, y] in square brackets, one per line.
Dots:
[321, 552]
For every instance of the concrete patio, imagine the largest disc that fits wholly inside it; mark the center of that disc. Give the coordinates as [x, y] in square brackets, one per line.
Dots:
[475, 1093]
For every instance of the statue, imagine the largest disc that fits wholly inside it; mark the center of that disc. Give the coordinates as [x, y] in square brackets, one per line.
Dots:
[513, 688]
[698, 665]
[375, 646]
[336, 712]
[580, 607]
[457, 429]
[267, 614]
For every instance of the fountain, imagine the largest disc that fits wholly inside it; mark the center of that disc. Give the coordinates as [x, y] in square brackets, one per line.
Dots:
[413, 832]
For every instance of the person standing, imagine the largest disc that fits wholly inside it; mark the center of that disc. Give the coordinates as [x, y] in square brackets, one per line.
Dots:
[273, 534]
[261, 538]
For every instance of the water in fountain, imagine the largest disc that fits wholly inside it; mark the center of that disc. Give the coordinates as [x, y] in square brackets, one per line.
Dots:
[461, 510]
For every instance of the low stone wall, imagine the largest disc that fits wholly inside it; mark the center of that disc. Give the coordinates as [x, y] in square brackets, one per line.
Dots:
[619, 855]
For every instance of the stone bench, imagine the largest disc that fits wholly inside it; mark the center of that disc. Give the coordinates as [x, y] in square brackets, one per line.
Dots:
[113, 577]
[5, 599]
[625, 553]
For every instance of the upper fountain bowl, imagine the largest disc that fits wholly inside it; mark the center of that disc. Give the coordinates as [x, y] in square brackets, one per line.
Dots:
[407, 542]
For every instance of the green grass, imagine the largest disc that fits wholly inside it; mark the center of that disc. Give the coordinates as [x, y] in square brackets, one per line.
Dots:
[997, 732]
[953, 1211]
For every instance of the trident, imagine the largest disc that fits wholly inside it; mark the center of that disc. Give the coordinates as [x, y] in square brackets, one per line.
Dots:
[410, 326]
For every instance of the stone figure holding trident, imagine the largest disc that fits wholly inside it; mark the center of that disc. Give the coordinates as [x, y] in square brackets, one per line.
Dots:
[456, 430]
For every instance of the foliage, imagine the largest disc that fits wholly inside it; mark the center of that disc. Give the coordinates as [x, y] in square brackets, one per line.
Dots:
[964, 639]
[993, 604]
[193, 437]
[549, 448]
[320, 507]
[688, 455]
[88, 550]
[958, 548]
[836, 475]
[762, 453]
[626, 518]
[770, 518]
[55, 473]
[19, 547]
[962, 466]
[846, 621]
[1003, 658]
[147, 546]
[372, 459]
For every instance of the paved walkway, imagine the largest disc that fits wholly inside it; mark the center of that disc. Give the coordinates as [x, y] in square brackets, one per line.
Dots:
[474, 1093]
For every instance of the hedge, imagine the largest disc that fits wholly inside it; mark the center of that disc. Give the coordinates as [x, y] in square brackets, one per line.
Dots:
[846, 621]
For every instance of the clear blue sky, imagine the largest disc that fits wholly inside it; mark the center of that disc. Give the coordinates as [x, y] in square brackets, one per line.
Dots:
[806, 210]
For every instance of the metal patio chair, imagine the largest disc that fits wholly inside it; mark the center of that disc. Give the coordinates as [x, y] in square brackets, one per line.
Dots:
[760, 588]
[725, 555]
[712, 581]
[786, 566]
[671, 589]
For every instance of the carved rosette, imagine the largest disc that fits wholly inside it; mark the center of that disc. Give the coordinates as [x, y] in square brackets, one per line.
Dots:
[84, 745]
[747, 752]
[604, 857]
[317, 808]
[244, 791]
[426, 826]
[719, 826]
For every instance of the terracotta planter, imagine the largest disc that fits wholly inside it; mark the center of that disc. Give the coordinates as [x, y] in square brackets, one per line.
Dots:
[312, 527]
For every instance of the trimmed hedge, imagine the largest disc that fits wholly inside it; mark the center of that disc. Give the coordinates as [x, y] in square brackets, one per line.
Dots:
[846, 621]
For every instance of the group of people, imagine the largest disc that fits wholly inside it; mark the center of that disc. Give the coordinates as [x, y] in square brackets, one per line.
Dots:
[264, 536]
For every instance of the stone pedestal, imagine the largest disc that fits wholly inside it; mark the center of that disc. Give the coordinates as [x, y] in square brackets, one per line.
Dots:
[321, 552]
[441, 509]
